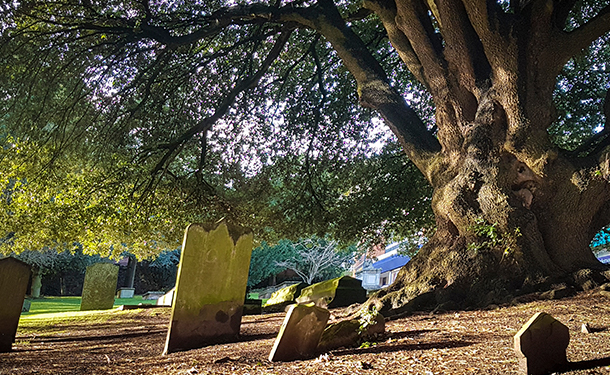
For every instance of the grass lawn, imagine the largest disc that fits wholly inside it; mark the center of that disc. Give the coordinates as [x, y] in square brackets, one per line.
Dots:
[54, 305]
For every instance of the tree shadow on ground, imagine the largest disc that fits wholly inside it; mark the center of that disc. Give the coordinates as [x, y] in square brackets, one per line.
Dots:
[389, 348]
[96, 338]
[586, 365]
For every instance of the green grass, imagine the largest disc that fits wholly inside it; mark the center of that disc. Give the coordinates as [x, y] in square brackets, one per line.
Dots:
[54, 305]
[51, 315]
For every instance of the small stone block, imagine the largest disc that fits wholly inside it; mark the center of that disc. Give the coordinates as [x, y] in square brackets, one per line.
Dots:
[585, 328]
[27, 304]
[99, 287]
[14, 278]
[300, 333]
[167, 298]
[541, 345]
[126, 293]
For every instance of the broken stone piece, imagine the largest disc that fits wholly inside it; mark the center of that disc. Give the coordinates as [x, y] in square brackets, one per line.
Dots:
[541, 345]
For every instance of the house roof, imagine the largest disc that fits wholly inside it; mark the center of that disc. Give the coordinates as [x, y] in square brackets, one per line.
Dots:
[391, 263]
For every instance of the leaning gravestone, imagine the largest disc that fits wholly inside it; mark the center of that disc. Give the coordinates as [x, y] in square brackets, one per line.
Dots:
[99, 287]
[211, 286]
[339, 292]
[14, 278]
[300, 333]
[541, 345]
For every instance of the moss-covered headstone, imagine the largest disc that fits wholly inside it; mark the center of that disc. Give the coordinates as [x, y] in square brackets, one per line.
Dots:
[211, 286]
[339, 292]
[14, 278]
[285, 296]
[99, 287]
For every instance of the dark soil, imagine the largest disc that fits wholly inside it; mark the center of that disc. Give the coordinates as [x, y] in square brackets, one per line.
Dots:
[462, 342]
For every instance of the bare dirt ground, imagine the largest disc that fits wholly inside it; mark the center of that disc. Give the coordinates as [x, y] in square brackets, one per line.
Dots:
[463, 342]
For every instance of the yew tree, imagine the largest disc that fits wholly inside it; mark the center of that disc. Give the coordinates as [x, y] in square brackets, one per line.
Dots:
[515, 209]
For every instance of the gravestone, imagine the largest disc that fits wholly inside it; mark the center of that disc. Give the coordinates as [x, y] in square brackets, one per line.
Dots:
[14, 278]
[283, 297]
[541, 345]
[300, 333]
[99, 287]
[211, 286]
[339, 292]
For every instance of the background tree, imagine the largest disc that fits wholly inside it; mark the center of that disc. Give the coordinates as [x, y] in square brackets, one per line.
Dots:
[265, 258]
[191, 100]
[317, 259]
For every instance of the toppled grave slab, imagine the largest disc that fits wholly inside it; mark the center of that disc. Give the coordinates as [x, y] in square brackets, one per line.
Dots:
[280, 299]
[339, 292]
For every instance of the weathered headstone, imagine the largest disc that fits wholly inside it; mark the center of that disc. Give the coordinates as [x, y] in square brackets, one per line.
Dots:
[211, 286]
[14, 278]
[541, 345]
[339, 292]
[300, 333]
[285, 296]
[99, 287]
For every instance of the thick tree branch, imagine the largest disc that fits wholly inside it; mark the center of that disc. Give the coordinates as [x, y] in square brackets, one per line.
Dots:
[464, 51]
[386, 10]
[224, 106]
[373, 86]
[582, 37]
[413, 20]
[561, 11]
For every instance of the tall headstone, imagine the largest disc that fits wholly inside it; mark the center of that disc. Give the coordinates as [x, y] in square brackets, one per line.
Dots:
[211, 286]
[541, 345]
[99, 287]
[300, 333]
[14, 278]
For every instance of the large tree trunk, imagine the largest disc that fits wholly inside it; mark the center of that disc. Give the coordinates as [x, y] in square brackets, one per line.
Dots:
[514, 212]
[503, 229]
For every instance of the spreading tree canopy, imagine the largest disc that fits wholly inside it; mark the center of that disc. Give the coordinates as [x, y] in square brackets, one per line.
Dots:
[193, 106]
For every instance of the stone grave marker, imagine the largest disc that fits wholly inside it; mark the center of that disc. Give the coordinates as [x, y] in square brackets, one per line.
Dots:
[541, 345]
[211, 286]
[99, 287]
[300, 333]
[283, 297]
[339, 292]
[14, 278]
